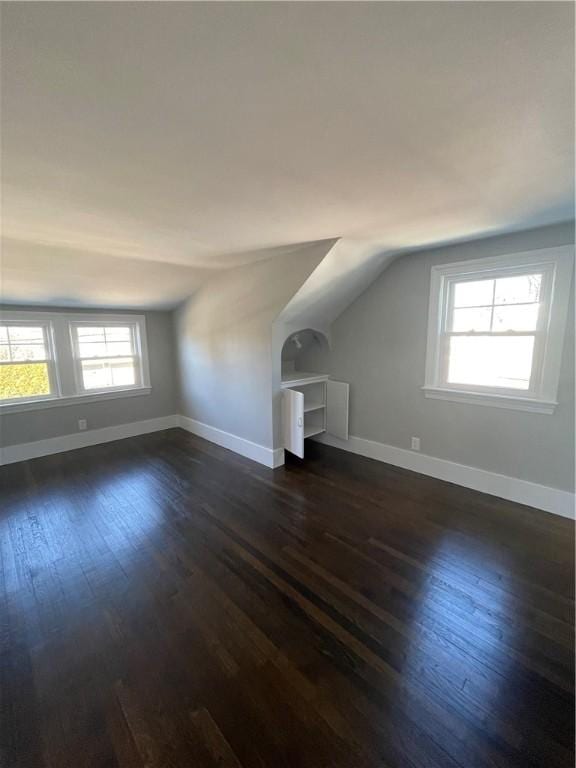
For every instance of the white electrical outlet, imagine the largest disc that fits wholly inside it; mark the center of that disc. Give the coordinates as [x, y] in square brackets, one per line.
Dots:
[82, 424]
[415, 443]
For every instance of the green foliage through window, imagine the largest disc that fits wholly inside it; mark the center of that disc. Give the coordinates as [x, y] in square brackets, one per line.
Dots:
[24, 380]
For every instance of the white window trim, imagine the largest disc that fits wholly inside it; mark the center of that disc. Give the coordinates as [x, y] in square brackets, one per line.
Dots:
[136, 321]
[50, 359]
[558, 264]
[64, 381]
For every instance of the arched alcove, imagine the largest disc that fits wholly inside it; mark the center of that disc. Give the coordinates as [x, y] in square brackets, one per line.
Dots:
[306, 350]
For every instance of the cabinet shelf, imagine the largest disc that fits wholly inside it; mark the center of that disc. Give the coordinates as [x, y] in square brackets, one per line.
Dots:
[313, 429]
[313, 407]
[301, 378]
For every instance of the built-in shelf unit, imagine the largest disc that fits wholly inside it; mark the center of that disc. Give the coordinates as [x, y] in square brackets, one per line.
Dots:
[312, 404]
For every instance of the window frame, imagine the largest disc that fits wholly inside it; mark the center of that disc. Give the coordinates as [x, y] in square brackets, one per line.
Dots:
[556, 266]
[136, 324]
[67, 388]
[51, 363]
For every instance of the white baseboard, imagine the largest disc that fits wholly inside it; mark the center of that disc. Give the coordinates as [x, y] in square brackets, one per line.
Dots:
[23, 451]
[521, 491]
[255, 451]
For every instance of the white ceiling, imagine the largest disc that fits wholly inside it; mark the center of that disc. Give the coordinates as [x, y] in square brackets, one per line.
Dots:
[147, 144]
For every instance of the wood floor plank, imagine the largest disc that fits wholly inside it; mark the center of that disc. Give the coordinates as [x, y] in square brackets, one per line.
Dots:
[214, 739]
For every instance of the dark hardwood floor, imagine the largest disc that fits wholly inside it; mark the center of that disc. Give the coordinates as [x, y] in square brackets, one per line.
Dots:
[166, 603]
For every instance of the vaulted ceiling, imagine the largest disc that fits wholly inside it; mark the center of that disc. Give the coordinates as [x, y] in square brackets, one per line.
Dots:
[146, 145]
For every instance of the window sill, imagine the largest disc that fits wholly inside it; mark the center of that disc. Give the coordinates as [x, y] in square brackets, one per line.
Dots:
[494, 400]
[73, 400]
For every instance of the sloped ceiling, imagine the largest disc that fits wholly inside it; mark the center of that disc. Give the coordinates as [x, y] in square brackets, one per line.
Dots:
[344, 273]
[146, 145]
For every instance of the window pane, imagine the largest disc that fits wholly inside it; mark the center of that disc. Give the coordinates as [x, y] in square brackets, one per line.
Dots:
[28, 352]
[99, 374]
[25, 334]
[123, 373]
[92, 349]
[473, 293]
[23, 343]
[89, 333]
[104, 342]
[114, 333]
[119, 348]
[520, 317]
[518, 289]
[503, 361]
[476, 319]
[26, 380]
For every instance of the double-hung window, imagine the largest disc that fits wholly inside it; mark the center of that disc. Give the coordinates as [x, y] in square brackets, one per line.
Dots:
[54, 358]
[106, 356]
[27, 361]
[496, 329]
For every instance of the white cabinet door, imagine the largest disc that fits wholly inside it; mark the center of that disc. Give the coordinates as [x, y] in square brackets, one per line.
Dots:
[337, 394]
[293, 421]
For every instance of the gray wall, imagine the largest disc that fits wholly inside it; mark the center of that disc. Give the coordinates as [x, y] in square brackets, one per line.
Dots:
[379, 346]
[63, 419]
[224, 335]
